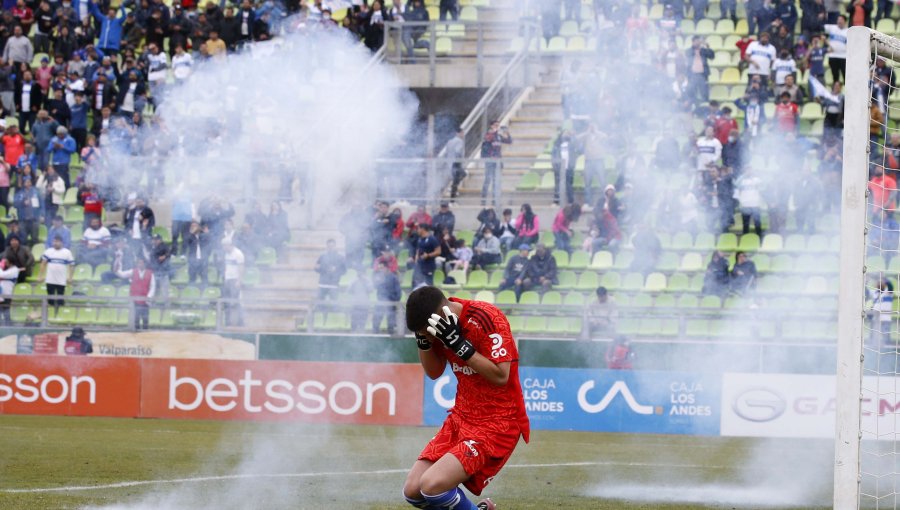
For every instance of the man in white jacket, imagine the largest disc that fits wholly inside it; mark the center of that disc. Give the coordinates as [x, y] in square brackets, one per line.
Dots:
[749, 194]
[9, 274]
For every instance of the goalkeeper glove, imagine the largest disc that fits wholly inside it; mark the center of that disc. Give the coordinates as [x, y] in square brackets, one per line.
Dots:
[422, 342]
[447, 330]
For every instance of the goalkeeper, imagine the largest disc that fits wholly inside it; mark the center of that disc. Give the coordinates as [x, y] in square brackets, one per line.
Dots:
[485, 423]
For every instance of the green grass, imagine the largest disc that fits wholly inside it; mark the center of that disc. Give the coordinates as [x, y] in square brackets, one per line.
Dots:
[48, 452]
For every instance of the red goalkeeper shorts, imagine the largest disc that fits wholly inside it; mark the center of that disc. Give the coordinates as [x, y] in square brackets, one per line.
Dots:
[482, 452]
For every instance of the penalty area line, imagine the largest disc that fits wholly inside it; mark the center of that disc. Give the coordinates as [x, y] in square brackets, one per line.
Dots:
[321, 474]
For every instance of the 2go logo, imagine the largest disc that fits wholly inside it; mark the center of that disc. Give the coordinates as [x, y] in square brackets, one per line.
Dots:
[497, 348]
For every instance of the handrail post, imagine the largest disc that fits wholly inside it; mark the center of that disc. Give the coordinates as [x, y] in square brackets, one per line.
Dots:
[432, 58]
[479, 55]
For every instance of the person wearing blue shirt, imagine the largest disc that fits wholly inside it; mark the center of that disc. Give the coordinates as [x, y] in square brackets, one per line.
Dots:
[427, 250]
[110, 28]
[28, 209]
[79, 111]
[29, 158]
[58, 229]
[61, 148]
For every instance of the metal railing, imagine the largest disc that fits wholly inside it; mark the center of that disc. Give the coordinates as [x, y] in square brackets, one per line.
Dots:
[347, 314]
[440, 42]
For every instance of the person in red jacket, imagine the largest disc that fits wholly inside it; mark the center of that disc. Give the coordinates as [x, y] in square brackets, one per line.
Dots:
[619, 355]
[786, 114]
[143, 287]
[725, 123]
[883, 190]
[13, 145]
[93, 204]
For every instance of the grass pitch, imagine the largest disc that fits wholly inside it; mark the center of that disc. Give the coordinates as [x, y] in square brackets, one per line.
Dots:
[57, 462]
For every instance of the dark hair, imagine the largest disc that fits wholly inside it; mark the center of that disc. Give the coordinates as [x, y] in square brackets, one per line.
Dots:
[601, 291]
[528, 218]
[421, 303]
[507, 211]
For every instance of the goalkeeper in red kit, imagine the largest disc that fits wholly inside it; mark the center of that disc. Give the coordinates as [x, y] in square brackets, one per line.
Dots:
[484, 425]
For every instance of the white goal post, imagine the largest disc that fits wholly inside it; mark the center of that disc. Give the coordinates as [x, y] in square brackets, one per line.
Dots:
[866, 459]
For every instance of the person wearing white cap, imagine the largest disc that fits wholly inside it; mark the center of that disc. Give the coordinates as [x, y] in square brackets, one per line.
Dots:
[60, 149]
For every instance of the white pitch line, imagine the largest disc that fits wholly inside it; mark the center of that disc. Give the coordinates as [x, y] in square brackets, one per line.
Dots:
[215, 478]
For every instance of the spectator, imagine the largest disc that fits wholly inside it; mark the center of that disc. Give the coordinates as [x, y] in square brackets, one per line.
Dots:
[182, 64]
[110, 35]
[724, 125]
[760, 55]
[18, 49]
[450, 7]
[882, 190]
[527, 226]
[594, 144]
[507, 231]
[647, 249]
[749, 195]
[79, 112]
[808, 195]
[796, 94]
[860, 12]
[444, 219]
[709, 150]
[77, 344]
[602, 315]
[92, 202]
[562, 232]
[28, 100]
[698, 56]
[373, 23]
[717, 279]
[19, 256]
[516, 271]
[381, 227]
[132, 95]
[754, 114]
[58, 229]
[278, 231]
[53, 191]
[448, 249]
[28, 208]
[462, 257]
[160, 258]
[455, 152]
[57, 268]
[139, 221]
[608, 233]
[387, 290]
[488, 219]
[487, 250]
[427, 250]
[233, 277]
[783, 66]
[358, 298]
[733, 151]
[787, 114]
[94, 244]
[420, 216]
[142, 289]
[619, 355]
[837, 45]
[42, 133]
[197, 250]
[331, 266]
[812, 21]
[9, 274]
[743, 274]
[541, 270]
[387, 257]
[563, 158]
[491, 149]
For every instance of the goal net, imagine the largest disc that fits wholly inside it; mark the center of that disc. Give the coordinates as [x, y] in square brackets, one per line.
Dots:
[867, 440]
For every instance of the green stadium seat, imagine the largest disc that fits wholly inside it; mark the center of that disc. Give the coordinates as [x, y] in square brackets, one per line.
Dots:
[463, 294]
[611, 281]
[886, 26]
[704, 242]
[485, 295]
[816, 285]
[64, 315]
[641, 301]
[748, 243]
[86, 316]
[530, 297]
[108, 316]
[711, 302]
[163, 232]
[180, 277]
[528, 182]
[506, 297]
[567, 280]
[623, 260]
[697, 282]
[602, 260]
[574, 299]
[691, 262]
[727, 242]
[687, 26]
[577, 43]
[589, 281]
[495, 281]
[551, 298]
[74, 214]
[516, 322]
[762, 263]
[730, 76]
[190, 295]
[818, 244]
[22, 289]
[633, 282]
[558, 325]
[697, 328]
[83, 273]
[535, 324]
[547, 182]
[443, 46]
[664, 301]
[668, 262]
[268, 256]
[466, 235]
[251, 277]
[99, 270]
[682, 241]
[650, 327]
[656, 282]
[19, 313]
[678, 282]
[476, 280]
[782, 263]
[628, 326]
[795, 243]
[562, 258]
[725, 27]
[688, 301]
[579, 260]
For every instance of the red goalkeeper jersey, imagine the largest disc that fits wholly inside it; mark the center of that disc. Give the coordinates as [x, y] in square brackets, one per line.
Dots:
[478, 402]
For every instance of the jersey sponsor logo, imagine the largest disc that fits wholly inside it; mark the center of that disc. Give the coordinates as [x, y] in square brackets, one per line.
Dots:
[463, 369]
[473, 452]
[497, 348]
[618, 387]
